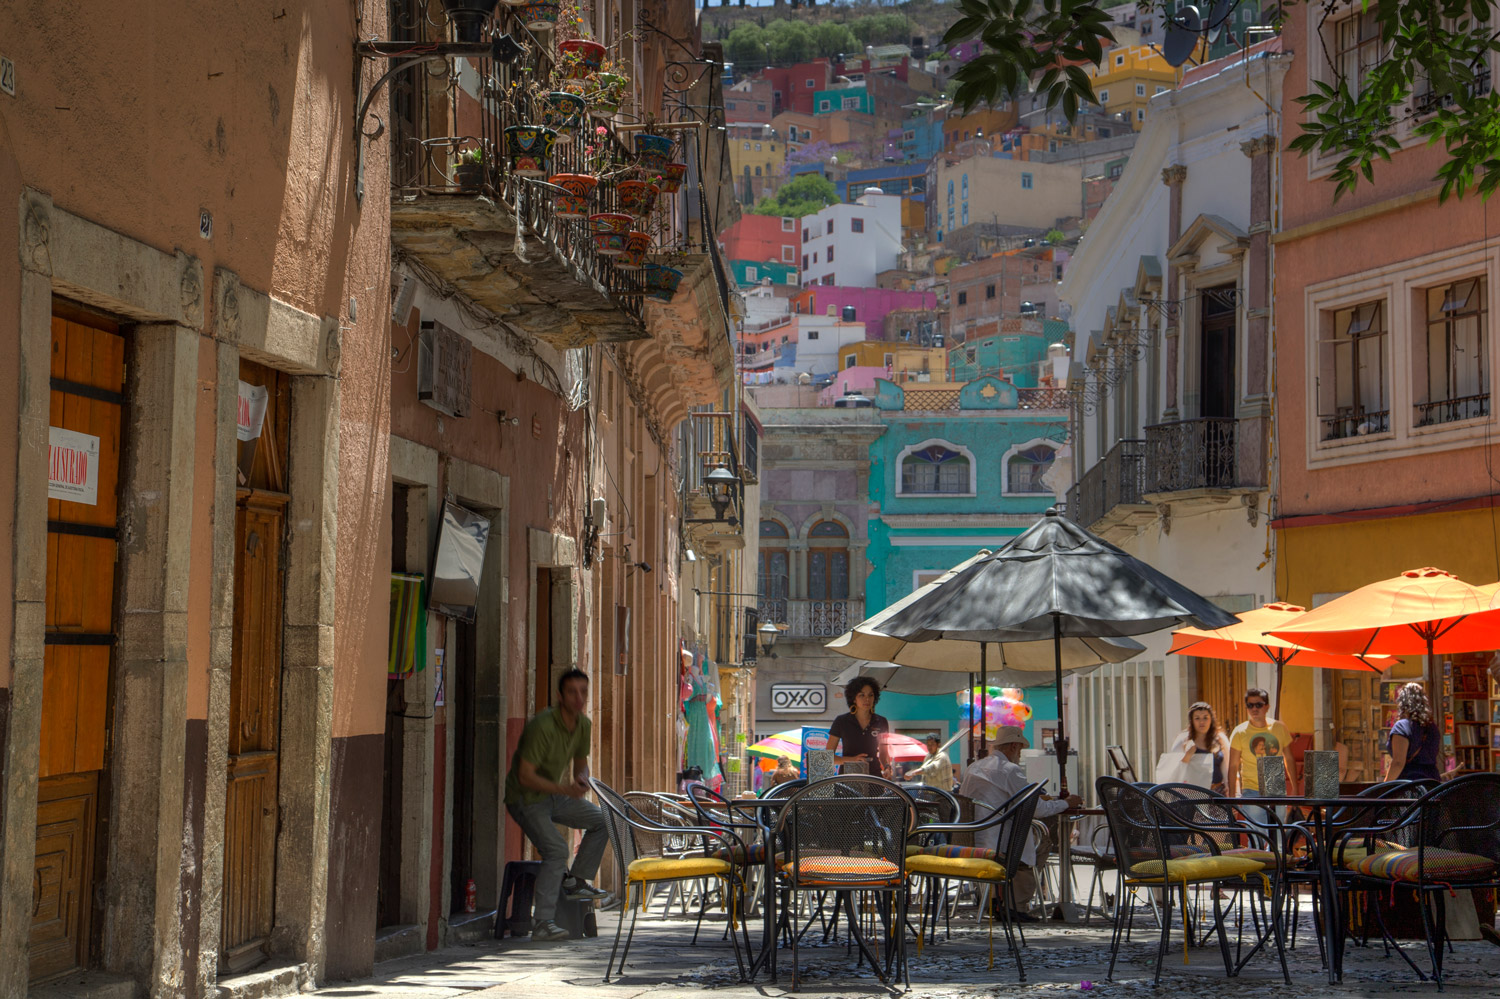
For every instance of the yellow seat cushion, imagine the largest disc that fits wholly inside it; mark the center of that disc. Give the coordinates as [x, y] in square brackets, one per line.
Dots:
[1194, 869]
[972, 868]
[843, 871]
[671, 868]
[1251, 853]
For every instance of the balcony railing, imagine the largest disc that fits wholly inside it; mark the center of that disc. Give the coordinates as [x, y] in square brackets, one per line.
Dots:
[812, 618]
[1118, 479]
[1469, 407]
[1207, 453]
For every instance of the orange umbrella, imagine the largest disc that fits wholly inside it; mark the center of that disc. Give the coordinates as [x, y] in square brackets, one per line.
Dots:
[1249, 642]
[1420, 611]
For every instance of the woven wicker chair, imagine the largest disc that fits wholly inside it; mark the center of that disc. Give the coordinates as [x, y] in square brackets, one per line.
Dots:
[629, 829]
[843, 835]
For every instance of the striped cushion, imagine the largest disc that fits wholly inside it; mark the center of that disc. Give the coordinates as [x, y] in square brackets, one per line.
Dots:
[1266, 857]
[1436, 865]
[971, 868]
[669, 869]
[947, 850]
[1194, 869]
[754, 854]
[843, 871]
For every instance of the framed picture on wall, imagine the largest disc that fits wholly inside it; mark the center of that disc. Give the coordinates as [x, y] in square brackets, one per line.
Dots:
[1349, 689]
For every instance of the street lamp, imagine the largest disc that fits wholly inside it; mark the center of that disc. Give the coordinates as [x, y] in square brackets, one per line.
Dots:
[720, 484]
[768, 634]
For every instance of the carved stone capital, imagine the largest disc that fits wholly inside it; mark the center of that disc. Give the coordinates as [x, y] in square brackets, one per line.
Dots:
[1174, 175]
[1258, 146]
[190, 289]
[333, 349]
[226, 306]
[36, 233]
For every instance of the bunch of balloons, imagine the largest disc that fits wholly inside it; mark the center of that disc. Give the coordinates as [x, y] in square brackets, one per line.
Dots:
[1002, 706]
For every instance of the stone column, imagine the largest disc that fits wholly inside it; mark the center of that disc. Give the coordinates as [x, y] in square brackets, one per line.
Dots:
[150, 701]
[1258, 280]
[1172, 176]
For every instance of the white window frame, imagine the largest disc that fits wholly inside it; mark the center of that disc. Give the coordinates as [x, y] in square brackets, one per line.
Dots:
[752, 274]
[1005, 489]
[788, 255]
[911, 449]
[788, 224]
[1401, 284]
[1140, 90]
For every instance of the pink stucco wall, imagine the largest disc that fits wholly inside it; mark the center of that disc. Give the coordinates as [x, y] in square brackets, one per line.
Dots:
[870, 304]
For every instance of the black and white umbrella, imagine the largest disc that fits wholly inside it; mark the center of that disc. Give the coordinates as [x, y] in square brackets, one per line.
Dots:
[1055, 581]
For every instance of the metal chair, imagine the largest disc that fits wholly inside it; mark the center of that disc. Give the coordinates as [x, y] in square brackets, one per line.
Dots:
[1119, 760]
[848, 834]
[627, 828]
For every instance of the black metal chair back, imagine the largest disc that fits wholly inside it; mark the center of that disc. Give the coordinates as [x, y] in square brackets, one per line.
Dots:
[851, 829]
[933, 804]
[1463, 815]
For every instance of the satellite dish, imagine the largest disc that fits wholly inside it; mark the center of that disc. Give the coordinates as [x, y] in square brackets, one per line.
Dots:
[1220, 12]
[1181, 35]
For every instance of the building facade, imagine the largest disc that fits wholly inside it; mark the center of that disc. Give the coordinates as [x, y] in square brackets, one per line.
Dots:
[848, 244]
[989, 188]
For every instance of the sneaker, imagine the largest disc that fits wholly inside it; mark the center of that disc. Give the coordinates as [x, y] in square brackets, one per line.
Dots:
[579, 890]
[547, 931]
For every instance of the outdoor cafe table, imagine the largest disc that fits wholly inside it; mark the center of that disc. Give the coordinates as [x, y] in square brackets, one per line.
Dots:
[1320, 824]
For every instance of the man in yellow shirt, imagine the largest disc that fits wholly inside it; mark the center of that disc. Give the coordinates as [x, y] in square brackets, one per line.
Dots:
[1248, 743]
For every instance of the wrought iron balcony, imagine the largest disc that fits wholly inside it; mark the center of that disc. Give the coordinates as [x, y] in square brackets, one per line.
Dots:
[1118, 479]
[1469, 407]
[1355, 421]
[812, 618]
[1208, 453]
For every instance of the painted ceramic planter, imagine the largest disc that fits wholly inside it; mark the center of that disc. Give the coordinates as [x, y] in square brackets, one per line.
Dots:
[652, 152]
[610, 244]
[607, 91]
[539, 15]
[581, 58]
[671, 177]
[610, 222]
[633, 257]
[563, 112]
[529, 149]
[661, 281]
[574, 204]
[637, 197]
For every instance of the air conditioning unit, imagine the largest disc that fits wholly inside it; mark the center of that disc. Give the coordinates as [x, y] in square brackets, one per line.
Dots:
[444, 361]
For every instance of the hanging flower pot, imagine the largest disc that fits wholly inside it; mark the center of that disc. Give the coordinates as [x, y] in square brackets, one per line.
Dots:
[607, 91]
[661, 281]
[652, 152]
[539, 15]
[671, 177]
[529, 148]
[563, 112]
[581, 58]
[633, 257]
[610, 230]
[574, 204]
[468, 17]
[637, 197]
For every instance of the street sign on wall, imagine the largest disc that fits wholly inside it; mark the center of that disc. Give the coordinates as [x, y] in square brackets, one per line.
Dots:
[799, 698]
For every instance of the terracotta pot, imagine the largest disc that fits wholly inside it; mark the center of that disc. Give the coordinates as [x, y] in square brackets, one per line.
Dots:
[610, 244]
[633, 257]
[563, 111]
[529, 149]
[610, 222]
[637, 197]
[539, 15]
[581, 58]
[574, 204]
[671, 177]
[652, 152]
[661, 281]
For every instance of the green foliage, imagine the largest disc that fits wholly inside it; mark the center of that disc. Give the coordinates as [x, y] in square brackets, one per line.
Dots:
[1053, 237]
[746, 46]
[881, 29]
[1431, 82]
[831, 38]
[791, 42]
[803, 195]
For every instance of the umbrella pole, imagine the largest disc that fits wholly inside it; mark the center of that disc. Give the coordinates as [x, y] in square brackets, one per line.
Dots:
[1060, 743]
[983, 690]
[970, 689]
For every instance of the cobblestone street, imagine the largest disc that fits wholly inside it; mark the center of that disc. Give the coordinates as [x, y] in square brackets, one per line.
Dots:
[1058, 960]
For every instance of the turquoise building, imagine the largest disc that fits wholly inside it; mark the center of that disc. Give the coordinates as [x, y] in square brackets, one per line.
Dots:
[749, 273]
[1016, 356]
[845, 99]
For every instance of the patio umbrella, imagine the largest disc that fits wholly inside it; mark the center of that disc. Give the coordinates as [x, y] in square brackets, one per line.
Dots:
[897, 679]
[788, 745]
[1421, 611]
[1055, 581]
[1247, 641]
[1024, 663]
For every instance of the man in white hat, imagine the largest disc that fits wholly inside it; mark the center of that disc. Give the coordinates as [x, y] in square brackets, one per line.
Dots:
[993, 781]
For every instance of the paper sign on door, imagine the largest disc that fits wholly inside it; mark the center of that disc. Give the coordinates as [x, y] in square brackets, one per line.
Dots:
[251, 411]
[72, 466]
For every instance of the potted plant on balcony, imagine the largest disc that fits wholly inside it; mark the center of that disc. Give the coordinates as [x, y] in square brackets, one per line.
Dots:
[469, 173]
[529, 149]
[652, 152]
[633, 256]
[539, 15]
[637, 196]
[671, 177]
[563, 111]
[661, 281]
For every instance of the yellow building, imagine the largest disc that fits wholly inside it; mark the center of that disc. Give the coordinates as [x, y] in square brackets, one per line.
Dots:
[756, 157]
[1128, 78]
[898, 359]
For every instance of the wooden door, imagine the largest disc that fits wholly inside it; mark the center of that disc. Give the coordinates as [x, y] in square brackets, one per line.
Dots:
[250, 807]
[88, 379]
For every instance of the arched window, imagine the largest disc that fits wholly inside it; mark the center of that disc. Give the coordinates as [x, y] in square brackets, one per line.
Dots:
[773, 571]
[935, 469]
[1025, 469]
[950, 193]
[965, 187]
[828, 561]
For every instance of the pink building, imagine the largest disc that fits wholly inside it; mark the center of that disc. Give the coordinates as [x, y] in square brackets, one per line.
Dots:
[870, 305]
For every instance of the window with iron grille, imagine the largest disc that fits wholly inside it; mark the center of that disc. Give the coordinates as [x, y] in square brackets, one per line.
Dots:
[1026, 468]
[1454, 354]
[1353, 390]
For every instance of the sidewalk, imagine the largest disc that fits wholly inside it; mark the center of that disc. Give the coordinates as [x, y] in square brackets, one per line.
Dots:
[1058, 959]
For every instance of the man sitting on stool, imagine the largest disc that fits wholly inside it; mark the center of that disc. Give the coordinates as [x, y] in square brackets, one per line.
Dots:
[541, 794]
[993, 781]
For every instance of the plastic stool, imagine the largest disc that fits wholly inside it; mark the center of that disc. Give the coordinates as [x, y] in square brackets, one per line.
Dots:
[518, 888]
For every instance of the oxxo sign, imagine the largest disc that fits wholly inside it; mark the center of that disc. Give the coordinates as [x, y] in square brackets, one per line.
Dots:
[799, 698]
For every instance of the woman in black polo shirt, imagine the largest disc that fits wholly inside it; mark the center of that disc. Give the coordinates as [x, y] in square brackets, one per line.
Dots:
[859, 732]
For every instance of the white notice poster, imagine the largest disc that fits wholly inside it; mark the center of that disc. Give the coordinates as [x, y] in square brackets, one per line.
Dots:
[72, 466]
[251, 411]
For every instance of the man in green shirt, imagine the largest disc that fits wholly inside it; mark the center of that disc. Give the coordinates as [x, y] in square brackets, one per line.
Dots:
[544, 789]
